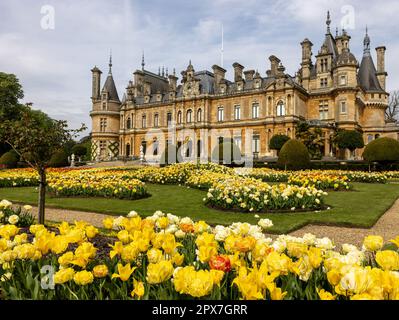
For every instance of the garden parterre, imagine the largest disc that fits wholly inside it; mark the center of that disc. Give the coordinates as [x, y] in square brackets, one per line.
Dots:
[167, 257]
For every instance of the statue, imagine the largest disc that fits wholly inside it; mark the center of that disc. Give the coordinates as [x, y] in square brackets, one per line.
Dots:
[141, 153]
[72, 160]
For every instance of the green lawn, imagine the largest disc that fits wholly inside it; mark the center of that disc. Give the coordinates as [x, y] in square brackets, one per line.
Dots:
[361, 207]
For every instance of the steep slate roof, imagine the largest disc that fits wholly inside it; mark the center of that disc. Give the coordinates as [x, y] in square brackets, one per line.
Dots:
[110, 87]
[367, 75]
[158, 83]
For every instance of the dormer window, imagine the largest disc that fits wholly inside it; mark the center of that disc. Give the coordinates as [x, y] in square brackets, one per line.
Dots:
[280, 109]
[257, 84]
[323, 82]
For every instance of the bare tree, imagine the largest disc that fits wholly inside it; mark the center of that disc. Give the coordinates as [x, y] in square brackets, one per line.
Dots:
[392, 112]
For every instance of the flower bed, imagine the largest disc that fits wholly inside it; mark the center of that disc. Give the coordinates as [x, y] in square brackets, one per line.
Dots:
[248, 195]
[93, 183]
[264, 174]
[320, 180]
[167, 257]
[18, 178]
[204, 179]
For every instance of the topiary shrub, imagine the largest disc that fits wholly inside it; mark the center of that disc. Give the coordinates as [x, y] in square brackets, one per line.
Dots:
[294, 155]
[277, 141]
[382, 150]
[226, 152]
[58, 159]
[349, 139]
[9, 159]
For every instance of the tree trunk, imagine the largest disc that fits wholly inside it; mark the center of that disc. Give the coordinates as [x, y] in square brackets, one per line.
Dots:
[42, 195]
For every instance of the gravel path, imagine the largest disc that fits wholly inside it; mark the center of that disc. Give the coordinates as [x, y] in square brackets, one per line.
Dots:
[387, 226]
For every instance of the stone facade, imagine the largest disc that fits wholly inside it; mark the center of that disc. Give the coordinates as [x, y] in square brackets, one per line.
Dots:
[332, 91]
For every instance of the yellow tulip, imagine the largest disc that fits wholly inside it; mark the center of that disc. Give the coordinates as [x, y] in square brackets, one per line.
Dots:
[138, 289]
[124, 272]
[325, 295]
[373, 243]
[388, 259]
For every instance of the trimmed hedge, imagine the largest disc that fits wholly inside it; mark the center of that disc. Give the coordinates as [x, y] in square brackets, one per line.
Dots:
[294, 155]
[277, 141]
[382, 150]
[9, 159]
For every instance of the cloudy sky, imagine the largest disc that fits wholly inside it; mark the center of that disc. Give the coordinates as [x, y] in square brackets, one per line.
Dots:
[53, 61]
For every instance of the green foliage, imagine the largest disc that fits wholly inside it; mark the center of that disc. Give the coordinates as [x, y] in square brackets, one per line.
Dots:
[312, 138]
[277, 141]
[226, 152]
[294, 155]
[349, 139]
[79, 150]
[58, 159]
[382, 150]
[25, 218]
[9, 159]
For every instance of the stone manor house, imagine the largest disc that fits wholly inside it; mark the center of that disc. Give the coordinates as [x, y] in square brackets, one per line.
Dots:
[331, 91]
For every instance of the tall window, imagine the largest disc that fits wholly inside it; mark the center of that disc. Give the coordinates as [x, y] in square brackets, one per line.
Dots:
[237, 112]
[169, 119]
[324, 65]
[144, 121]
[237, 141]
[179, 117]
[199, 115]
[128, 123]
[255, 145]
[255, 110]
[342, 80]
[220, 114]
[103, 124]
[343, 107]
[156, 120]
[155, 145]
[280, 108]
[189, 116]
[323, 109]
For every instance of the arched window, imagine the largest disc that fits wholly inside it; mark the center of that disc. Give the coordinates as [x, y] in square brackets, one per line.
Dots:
[169, 119]
[199, 115]
[128, 123]
[127, 150]
[156, 120]
[189, 149]
[179, 117]
[280, 108]
[189, 116]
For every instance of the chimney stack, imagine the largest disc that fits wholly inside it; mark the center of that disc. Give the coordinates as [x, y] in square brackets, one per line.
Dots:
[381, 73]
[274, 63]
[249, 75]
[219, 74]
[96, 83]
[238, 68]
[172, 82]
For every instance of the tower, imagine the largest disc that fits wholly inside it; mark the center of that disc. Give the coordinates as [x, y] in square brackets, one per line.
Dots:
[105, 116]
